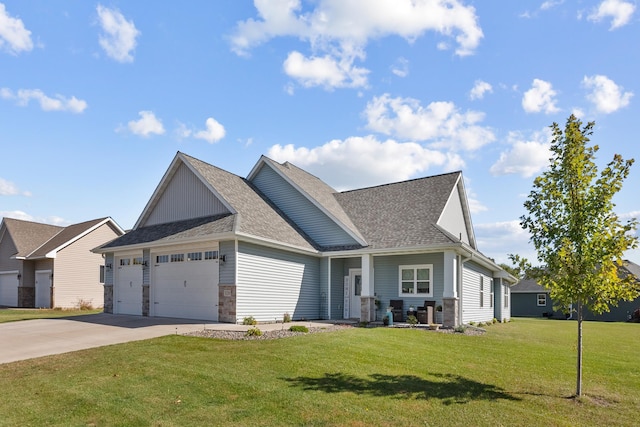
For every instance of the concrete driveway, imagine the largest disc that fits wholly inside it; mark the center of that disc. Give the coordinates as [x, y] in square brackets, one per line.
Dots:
[42, 337]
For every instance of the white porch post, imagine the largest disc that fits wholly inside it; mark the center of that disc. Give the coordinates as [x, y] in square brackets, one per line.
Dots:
[367, 297]
[450, 295]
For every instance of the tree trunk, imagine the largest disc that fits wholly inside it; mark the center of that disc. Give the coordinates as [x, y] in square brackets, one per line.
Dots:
[579, 362]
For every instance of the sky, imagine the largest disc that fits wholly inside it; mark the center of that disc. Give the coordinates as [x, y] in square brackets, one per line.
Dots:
[97, 98]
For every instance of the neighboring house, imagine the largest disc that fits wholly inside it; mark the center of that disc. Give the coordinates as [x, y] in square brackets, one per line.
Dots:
[48, 266]
[529, 299]
[215, 246]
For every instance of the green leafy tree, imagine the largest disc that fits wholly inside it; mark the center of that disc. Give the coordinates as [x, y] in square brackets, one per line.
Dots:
[578, 238]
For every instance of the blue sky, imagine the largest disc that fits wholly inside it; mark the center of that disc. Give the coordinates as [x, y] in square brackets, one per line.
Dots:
[97, 98]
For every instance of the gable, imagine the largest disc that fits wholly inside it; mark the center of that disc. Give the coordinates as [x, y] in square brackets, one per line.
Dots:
[453, 218]
[183, 197]
[306, 215]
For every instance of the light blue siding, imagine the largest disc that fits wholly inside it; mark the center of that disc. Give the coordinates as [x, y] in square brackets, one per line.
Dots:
[227, 270]
[109, 259]
[272, 282]
[185, 197]
[337, 288]
[471, 309]
[316, 224]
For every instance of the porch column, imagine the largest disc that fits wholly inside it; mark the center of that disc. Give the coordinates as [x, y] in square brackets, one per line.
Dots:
[367, 297]
[450, 294]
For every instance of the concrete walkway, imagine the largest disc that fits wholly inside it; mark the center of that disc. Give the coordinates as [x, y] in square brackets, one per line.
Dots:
[43, 337]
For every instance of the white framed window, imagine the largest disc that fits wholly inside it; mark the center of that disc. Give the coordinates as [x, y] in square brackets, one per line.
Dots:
[137, 261]
[542, 300]
[491, 296]
[506, 297]
[177, 257]
[125, 261]
[209, 255]
[194, 256]
[415, 280]
[160, 259]
[102, 274]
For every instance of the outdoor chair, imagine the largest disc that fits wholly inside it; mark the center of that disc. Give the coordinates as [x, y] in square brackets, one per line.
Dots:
[396, 309]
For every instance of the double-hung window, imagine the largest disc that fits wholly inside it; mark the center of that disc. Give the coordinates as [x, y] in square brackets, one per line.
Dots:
[416, 280]
[542, 300]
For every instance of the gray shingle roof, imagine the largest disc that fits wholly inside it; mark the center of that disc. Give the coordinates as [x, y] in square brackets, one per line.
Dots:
[190, 228]
[402, 214]
[27, 236]
[525, 286]
[65, 235]
[318, 190]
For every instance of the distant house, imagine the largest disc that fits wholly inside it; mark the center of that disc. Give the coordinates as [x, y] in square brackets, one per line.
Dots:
[529, 299]
[215, 246]
[48, 266]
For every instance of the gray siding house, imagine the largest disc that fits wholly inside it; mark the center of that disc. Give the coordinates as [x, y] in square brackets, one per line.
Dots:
[47, 266]
[529, 299]
[214, 246]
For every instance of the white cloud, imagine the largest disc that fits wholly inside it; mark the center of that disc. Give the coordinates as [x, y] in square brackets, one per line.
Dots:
[14, 37]
[619, 11]
[47, 103]
[364, 161]
[324, 71]
[550, 4]
[605, 94]
[439, 123]
[541, 97]
[479, 89]
[119, 35]
[401, 67]
[213, 133]
[339, 30]
[8, 188]
[53, 220]
[526, 157]
[147, 124]
[499, 239]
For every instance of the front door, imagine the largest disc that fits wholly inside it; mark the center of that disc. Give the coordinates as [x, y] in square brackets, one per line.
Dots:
[355, 282]
[43, 289]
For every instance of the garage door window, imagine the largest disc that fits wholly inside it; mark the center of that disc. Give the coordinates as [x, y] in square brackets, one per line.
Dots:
[177, 257]
[194, 256]
[208, 255]
[137, 261]
[162, 259]
[125, 261]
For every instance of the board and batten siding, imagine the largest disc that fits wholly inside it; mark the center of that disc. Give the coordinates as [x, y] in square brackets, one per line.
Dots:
[272, 282]
[185, 197]
[471, 310]
[77, 270]
[452, 218]
[315, 223]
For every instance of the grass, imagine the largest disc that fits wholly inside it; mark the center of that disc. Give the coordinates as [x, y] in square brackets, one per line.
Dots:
[16, 314]
[517, 374]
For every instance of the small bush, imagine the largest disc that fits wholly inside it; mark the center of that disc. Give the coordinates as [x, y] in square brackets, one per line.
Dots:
[494, 320]
[363, 324]
[460, 329]
[412, 320]
[249, 320]
[299, 328]
[472, 323]
[286, 318]
[253, 332]
[84, 305]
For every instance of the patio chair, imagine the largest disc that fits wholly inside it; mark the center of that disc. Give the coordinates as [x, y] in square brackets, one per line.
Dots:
[396, 309]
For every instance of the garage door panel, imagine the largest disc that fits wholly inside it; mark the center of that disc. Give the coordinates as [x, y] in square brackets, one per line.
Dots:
[186, 289]
[9, 289]
[128, 289]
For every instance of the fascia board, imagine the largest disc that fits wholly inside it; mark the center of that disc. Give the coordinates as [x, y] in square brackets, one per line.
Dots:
[53, 252]
[164, 243]
[315, 203]
[466, 213]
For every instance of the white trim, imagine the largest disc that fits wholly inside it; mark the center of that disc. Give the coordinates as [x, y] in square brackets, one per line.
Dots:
[538, 300]
[466, 212]
[415, 268]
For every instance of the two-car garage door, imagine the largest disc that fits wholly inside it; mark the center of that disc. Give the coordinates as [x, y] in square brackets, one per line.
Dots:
[184, 284]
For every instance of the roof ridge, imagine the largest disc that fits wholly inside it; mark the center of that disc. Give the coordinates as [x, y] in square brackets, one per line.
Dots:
[401, 182]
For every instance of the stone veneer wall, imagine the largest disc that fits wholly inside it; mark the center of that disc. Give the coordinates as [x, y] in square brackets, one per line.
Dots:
[26, 297]
[108, 299]
[367, 309]
[450, 312]
[227, 303]
[145, 300]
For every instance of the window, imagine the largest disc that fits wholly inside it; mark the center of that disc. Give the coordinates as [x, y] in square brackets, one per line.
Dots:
[162, 259]
[102, 274]
[125, 261]
[542, 300]
[481, 291]
[137, 261]
[194, 256]
[506, 297]
[491, 293]
[177, 257]
[416, 280]
[211, 255]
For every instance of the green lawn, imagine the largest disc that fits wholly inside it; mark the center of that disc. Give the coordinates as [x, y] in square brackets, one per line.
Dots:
[15, 314]
[518, 374]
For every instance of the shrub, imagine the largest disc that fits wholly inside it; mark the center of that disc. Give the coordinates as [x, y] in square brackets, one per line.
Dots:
[249, 320]
[635, 317]
[494, 320]
[412, 320]
[84, 304]
[299, 328]
[460, 329]
[286, 318]
[253, 332]
[472, 323]
[363, 324]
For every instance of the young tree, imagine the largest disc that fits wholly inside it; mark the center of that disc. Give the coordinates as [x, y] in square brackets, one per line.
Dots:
[578, 238]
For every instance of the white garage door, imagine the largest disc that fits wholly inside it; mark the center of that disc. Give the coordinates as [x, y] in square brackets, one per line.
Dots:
[43, 289]
[185, 285]
[127, 291]
[9, 288]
